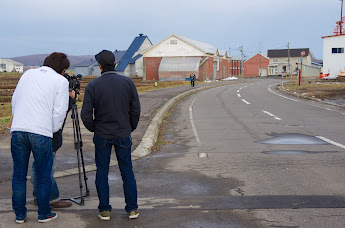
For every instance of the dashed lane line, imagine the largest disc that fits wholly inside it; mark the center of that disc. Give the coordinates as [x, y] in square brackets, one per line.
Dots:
[245, 101]
[272, 115]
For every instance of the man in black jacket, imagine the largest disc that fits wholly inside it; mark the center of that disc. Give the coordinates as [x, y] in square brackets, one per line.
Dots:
[111, 109]
[192, 79]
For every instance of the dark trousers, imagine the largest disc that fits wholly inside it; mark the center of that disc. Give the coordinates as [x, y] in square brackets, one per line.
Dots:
[103, 149]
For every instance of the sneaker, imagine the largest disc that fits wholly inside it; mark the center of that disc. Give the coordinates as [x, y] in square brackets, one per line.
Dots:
[133, 214]
[50, 217]
[20, 220]
[104, 215]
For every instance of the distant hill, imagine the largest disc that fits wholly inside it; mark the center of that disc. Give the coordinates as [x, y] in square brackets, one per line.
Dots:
[37, 60]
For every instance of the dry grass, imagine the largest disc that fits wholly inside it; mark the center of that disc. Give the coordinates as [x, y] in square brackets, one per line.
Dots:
[149, 86]
[318, 89]
[8, 83]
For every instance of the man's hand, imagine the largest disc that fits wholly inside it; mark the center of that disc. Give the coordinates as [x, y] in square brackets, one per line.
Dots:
[72, 94]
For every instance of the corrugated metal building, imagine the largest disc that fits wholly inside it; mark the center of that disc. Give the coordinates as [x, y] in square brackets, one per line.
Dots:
[176, 57]
[177, 68]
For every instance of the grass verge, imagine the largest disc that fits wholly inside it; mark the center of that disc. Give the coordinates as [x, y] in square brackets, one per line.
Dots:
[318, 89]
[161, 140]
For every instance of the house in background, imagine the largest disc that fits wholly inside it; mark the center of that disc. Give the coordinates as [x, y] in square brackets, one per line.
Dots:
[131, 64]
[176, 57]
[90, 67]
[9, 65]
[333, 55]
[256, 66]
[279, 62]
[85, 68]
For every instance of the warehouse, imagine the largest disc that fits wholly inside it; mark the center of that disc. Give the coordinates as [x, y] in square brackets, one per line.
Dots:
[176, 57]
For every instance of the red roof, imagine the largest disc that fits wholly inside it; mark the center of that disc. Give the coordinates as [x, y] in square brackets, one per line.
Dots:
[332, 36]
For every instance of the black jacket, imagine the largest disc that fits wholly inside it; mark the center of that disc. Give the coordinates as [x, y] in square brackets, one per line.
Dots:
[111, 107]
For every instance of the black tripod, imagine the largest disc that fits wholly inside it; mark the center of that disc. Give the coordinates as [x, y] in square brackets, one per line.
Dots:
[78, 144]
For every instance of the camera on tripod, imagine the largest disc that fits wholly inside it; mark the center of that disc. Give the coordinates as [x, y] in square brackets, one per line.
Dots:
[74, 85]
[74, 81]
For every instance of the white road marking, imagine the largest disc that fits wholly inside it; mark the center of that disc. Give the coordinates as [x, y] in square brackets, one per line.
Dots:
[238, 91]
[331, 142]
[202, 155]
[192, 119]
[192, 123]
[245, 101]
[310, 103]
[269, 88]
[239, 95]
[270, 114]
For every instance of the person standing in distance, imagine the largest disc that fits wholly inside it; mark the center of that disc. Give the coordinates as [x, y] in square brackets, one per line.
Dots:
[111, 109]
[192, 79]
[39, 106]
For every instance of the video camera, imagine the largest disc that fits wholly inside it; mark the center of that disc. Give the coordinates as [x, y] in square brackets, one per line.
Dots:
[74, 81]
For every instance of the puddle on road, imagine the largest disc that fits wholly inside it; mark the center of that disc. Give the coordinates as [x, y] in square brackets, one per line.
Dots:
[293, 139]
[287, 152]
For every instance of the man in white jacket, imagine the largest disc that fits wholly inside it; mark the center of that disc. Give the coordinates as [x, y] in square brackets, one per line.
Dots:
[39, 106]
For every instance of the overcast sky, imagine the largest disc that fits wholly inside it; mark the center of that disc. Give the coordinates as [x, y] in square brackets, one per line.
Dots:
[85, 27]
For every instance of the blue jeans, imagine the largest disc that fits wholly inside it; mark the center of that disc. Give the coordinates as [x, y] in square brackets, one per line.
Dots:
[123, 154]
[55, 194]
[22, 143]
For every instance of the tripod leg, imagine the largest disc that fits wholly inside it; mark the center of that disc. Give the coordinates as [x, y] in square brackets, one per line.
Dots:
[78, 146]
[81, 153]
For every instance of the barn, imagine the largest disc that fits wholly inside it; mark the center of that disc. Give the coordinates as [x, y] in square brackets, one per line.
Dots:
[176, 57]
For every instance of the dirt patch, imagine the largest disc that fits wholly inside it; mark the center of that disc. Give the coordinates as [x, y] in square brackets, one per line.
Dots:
[324, 90]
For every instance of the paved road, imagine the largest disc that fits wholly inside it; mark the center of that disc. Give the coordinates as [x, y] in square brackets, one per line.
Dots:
[214, 173]
[66, 159]
[253, 144]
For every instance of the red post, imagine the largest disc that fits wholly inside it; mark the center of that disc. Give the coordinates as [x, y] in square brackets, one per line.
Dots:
[299, 77]
[300, 71]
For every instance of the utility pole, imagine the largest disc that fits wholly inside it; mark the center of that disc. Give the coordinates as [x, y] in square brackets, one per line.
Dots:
[341, 18]
[289, 59]
[242, 66]
[260, 59]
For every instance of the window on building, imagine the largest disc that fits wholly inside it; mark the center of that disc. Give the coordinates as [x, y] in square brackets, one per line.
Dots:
[337, 50]
[3, 66]
[287, 60]
[174, 42]
[299, 60]
[275, 60]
